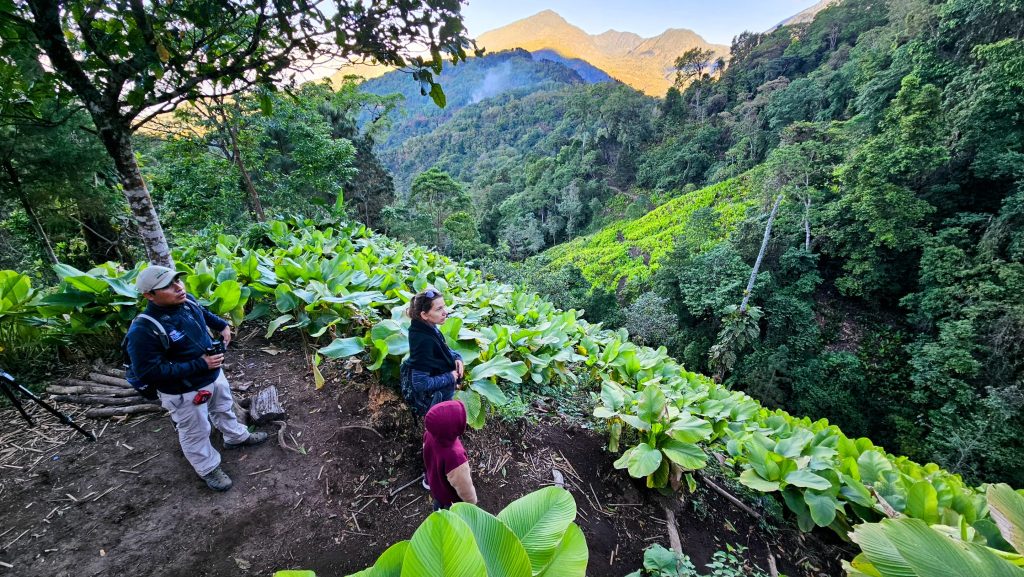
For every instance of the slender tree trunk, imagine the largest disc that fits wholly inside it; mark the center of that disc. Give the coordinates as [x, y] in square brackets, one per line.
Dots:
[254, 197]
[12, 173]
[807, 224]
[118, 142]
[760, 254]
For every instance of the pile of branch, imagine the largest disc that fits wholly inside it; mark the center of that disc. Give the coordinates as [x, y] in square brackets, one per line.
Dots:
[105, 392]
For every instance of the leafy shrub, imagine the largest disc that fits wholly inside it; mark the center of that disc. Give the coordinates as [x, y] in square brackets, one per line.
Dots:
[649, 321]
[533, 536]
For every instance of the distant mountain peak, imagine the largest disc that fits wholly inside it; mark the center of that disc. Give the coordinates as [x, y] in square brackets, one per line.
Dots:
[639, 62]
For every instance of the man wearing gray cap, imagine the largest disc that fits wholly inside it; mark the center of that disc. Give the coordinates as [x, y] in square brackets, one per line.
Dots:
[168, 346]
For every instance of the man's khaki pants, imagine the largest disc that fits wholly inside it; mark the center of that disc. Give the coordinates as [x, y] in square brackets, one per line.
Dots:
[193, 422]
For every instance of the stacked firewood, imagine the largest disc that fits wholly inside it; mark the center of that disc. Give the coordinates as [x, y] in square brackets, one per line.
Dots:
[105, 391]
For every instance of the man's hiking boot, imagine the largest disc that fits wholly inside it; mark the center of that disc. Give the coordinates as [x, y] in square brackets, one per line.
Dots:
[253, 439]
[217, 480]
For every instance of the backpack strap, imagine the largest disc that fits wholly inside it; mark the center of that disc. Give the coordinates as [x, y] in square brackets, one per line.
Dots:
[165, 341]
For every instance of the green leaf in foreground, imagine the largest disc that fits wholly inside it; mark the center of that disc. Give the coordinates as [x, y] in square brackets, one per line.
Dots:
[908, 547]
[443, 546]
[502, 552]
[539, 520]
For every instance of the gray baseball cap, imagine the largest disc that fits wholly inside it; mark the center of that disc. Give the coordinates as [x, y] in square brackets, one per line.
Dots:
[156, 277]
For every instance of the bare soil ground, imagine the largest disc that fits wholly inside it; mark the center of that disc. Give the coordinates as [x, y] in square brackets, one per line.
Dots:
[129, 504]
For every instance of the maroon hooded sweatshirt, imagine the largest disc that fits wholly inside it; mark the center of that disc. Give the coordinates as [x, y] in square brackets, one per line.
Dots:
[442, 450]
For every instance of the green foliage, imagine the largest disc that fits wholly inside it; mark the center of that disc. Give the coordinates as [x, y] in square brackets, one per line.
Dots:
[648, 319]
[345, 279]
[910, 547]
[732, 563]
[661, 562]
[533, 535]
[633, 249]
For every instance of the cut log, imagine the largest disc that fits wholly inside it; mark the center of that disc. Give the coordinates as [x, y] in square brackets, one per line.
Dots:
[265, 407]
[99, 367]
[104, 412]
[109, 380]
[92, 390]
[673, 531]
[103, 400]
[77, 383]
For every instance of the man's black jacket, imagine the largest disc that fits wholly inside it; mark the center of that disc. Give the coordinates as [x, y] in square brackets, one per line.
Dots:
[181, 368]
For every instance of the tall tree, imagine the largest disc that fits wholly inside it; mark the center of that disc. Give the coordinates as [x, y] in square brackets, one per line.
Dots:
[129, 61]
[437, 195]
[694, 68]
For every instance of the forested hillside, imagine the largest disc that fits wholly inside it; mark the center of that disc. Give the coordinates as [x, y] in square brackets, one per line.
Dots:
[889, 296]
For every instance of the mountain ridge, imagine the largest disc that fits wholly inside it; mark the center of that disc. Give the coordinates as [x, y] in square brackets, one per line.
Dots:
[646, 64]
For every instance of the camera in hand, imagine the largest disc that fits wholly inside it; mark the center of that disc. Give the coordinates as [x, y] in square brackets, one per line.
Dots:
[217, 348]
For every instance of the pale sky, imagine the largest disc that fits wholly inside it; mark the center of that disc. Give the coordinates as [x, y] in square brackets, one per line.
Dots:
[716, 22]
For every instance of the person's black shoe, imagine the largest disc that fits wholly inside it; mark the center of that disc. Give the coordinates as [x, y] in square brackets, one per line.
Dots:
[217, 480]
[253, 439]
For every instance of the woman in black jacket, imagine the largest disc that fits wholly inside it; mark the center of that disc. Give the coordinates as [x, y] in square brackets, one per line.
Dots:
[432, 372]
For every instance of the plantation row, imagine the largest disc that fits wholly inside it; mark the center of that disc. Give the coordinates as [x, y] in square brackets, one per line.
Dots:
[347, 286]
[633, 248]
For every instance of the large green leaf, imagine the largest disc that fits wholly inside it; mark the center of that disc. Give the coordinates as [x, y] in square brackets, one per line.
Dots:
[68, 299]
[15, 288]
[1007, 509]
[285, 298]
[275, 324]
[490, 390]
[389, 564]
[498, 366]
[687, 455]
[121, 287]
[474, 410]
[923, 502]
[226, 297]
[340, 348]
[651, 403]
[502, 551]
[690, 429]
[807, 479]
[443, 546]
[540, 520]
[871, 465]
[821, 507]
[908, 547]
[641, 460]
[750, 478]
[80, 280]
[571, 556]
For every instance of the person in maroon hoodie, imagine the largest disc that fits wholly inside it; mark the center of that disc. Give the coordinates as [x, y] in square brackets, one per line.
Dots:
[444, 457]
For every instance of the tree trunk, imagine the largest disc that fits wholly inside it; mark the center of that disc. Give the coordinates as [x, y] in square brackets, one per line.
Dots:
[760, 254]
[118, 142]
[254, 197]
[12, 173]
[807, 224]
[115, 130]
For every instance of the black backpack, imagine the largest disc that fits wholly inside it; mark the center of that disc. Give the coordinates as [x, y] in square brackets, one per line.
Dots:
[148, 391]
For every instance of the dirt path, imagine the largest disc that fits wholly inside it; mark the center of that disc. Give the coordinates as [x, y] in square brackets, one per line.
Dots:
[129, 504]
